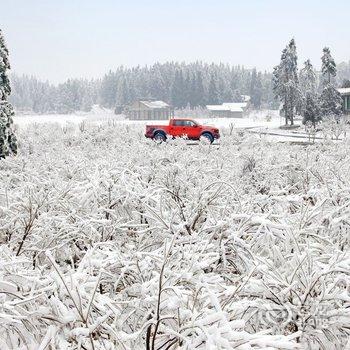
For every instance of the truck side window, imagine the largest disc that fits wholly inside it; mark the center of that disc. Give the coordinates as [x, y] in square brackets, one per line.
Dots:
[179, 123]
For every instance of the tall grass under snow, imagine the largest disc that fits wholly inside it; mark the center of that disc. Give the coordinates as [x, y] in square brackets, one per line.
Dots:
[110, 241]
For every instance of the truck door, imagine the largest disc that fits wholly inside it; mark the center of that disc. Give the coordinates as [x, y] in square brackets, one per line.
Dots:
[191, 129]
[178, 128]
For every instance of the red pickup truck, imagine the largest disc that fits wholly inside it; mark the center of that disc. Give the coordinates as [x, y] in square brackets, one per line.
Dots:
[181, 127]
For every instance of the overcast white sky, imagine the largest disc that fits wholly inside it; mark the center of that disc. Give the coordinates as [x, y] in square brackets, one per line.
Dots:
[58, 39]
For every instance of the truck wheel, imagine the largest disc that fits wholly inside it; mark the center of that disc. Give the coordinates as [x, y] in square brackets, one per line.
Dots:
[159, 137]
[207, 137]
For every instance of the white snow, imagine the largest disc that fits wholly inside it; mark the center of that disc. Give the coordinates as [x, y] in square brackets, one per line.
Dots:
[232, 107]
[344, 91]
[49, 118]
[155, 104]
[105, 234]
[256, 119]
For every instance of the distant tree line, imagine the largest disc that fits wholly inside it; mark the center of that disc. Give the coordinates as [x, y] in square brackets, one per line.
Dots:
[182, 85]
[32, 95]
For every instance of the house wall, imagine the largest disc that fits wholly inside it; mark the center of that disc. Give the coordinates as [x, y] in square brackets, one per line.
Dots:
[141, 111]
[149, 114]
[346, 103]
[226, 114]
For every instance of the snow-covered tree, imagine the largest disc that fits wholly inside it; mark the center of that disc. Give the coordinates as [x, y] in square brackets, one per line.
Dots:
[286, 82]
[308, 79]
[308, 86]
[8, 142]
[311, 111]
[123, 93]
[198, 93]
[255, 90]
[329, 68]
[87, 99]
[331, 100]
[237, 96]
[157, 87]
[178, 91]
[213, 92]
[346, 83]
[108, 90]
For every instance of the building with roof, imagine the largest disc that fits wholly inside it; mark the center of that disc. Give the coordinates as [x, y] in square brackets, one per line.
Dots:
[149, 110]
[345, 94]
[228, 110]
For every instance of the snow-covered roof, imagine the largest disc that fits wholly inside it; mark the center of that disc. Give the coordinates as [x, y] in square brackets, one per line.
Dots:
[218, 108]
[236, 105]
[344, 91]
[231, 107]
[155, 104]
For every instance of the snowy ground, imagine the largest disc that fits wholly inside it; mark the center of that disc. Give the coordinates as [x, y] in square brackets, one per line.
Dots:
[25, 120]
[110, 241]
[259, 122]
[97, 114]
[255, 119]
[264, 124]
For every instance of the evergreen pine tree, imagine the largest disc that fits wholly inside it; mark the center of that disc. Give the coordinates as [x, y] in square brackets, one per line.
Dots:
[199, 90]
[108, 90]
[69, 96]
[286, 82]
[157, 89]
[309, 106]
[8, 142]
[346, 83]
[213, 93]
[194, 102]
[87, 99]
[123, 95]
[307, 79]
[331, 100]
[329, 68]
[311, 113]
[237, 96]
[177, 92]
[255, 90]
[188, 91]
[222, 95]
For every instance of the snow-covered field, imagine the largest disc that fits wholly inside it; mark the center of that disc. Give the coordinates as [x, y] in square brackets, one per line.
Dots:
[268, 119]
[264, 124]
[110, 241]
[258, 122]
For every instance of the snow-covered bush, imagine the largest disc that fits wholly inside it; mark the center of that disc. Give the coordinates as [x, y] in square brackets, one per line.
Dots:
[334, 127]
[110, 241]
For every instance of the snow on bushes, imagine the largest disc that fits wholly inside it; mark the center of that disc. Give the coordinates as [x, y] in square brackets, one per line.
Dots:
[109, 241]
